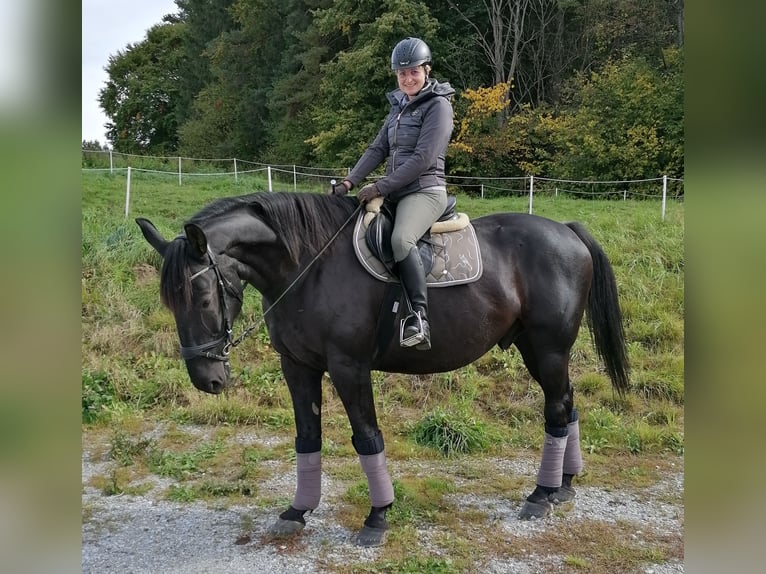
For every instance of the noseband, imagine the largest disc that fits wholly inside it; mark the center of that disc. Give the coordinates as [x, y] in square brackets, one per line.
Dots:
[204, 350]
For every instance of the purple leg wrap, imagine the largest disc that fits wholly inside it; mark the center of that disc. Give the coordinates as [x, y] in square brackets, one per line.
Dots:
[552, 464]
[309, 488]
[572, 454]
[381, 488]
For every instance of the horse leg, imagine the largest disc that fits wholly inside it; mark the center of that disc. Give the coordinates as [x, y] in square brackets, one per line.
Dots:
[572, 461]
[305, 385]
[354, 387]
[561, 458]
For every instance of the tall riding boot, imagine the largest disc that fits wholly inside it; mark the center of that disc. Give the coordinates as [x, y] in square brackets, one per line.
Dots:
[416, 331]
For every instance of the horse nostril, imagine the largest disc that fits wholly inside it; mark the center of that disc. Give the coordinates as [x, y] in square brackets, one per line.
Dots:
[216, 387]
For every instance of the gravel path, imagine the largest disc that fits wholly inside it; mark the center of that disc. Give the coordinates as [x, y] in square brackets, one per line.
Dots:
[145, 534]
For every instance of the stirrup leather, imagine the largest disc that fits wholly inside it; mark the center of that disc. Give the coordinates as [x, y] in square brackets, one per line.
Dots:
[418, 337]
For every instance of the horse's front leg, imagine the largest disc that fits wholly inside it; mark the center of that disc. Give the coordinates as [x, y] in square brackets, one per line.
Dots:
[305, 385]
[352, 381]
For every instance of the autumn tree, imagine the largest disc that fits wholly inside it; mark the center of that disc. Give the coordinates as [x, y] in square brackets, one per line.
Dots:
[623, 122]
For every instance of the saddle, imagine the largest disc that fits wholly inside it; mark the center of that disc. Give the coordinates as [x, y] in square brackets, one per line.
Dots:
[449, 250]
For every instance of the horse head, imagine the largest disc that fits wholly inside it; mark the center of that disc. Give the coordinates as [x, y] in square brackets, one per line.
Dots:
[203, 290]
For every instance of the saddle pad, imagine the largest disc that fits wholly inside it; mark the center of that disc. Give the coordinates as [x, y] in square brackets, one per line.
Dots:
[457, 258]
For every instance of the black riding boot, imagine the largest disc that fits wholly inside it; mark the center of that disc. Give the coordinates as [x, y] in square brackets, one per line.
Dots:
[416, 332]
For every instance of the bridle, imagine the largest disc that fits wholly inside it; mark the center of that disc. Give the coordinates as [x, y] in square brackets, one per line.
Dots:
[226, 338]
[204, 350]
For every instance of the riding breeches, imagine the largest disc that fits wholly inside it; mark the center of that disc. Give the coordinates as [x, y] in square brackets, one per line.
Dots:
[415, 214]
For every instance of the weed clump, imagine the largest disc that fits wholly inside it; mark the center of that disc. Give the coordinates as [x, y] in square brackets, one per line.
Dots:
[453, 433]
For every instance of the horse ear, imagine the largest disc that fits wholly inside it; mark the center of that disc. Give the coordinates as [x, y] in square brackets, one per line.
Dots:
[197, 238]
[153, 236]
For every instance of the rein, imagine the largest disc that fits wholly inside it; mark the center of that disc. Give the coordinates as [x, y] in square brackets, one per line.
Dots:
[203, 350]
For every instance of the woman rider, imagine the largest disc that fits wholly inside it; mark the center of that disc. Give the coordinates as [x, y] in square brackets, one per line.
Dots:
[414, 139]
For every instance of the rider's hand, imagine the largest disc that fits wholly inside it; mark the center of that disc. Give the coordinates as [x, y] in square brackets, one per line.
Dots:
[341, 188]
[368, 192]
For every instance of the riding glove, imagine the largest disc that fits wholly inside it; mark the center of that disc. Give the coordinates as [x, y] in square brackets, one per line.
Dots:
[368, 192]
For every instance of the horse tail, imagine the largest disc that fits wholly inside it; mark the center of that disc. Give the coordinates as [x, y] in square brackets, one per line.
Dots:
[604, 315]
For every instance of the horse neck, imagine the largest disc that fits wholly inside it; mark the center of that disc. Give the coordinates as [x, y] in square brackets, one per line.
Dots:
[260, 257]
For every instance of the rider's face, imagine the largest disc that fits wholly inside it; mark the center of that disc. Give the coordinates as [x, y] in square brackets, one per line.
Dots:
[411, 80]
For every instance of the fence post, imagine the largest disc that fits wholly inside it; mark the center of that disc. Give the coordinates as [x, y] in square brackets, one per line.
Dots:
[111, 163]
[664, 194]
[127, 195]
[268, 173]
[624, 194]
[482, 191]
[295, 179]
[179, 170]
[531, 191]
[235, 170]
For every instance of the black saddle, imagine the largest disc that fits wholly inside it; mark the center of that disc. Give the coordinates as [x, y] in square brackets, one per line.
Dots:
[378, 235]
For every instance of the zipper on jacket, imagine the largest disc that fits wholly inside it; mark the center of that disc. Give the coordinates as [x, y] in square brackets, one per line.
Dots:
[396, 142]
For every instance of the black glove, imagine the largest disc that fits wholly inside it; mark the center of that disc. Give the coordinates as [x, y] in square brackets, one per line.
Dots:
[368, 192]
[341, 188]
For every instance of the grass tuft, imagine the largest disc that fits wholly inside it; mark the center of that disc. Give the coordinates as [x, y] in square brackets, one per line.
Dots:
[453, 432]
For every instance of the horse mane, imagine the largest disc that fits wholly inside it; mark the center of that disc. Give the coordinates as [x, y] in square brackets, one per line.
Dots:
[305, 222]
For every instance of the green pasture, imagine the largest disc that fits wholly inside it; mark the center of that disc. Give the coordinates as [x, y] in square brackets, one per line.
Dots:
[138, 404]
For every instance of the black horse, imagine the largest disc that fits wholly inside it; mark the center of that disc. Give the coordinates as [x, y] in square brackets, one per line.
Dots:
[322, 309]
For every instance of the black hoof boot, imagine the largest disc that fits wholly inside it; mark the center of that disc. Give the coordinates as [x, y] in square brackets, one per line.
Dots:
[537, 504]
[374, 531]
[289, 523]
[565, 492]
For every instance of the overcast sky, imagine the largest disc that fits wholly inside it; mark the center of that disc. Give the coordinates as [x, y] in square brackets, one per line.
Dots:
[107, 27]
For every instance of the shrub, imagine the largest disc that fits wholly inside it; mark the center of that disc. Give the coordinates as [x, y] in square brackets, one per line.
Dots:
[97, 392]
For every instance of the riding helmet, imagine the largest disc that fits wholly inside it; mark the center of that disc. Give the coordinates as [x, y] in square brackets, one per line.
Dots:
[410, 53]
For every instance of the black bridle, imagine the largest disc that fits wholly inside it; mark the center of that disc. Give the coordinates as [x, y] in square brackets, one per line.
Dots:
[204, 350]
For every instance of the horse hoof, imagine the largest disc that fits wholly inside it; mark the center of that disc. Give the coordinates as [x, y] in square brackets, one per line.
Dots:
[563, 494]
[534, 510]
[284, 528]
[371, 537]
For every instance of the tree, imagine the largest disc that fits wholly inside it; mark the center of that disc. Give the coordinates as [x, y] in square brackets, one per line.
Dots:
[258, 90]
[205, 21]
[622, 122]
[292, 99]
[500, 35]
[94, 145]
[141, 94]
[476, 130]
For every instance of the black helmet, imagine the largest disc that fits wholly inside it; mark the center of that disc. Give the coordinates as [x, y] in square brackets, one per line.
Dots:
[409, 53]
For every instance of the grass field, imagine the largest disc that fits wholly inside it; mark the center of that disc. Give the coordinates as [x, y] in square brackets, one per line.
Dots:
[140, 412]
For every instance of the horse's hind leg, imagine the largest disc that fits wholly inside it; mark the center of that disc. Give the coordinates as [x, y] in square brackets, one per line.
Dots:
[561, 457]
[305, 385]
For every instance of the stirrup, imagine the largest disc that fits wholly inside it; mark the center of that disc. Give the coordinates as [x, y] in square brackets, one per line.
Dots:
[415, 339]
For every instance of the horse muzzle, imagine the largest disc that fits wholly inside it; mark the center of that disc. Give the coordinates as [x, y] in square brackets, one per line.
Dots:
[209, 376]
